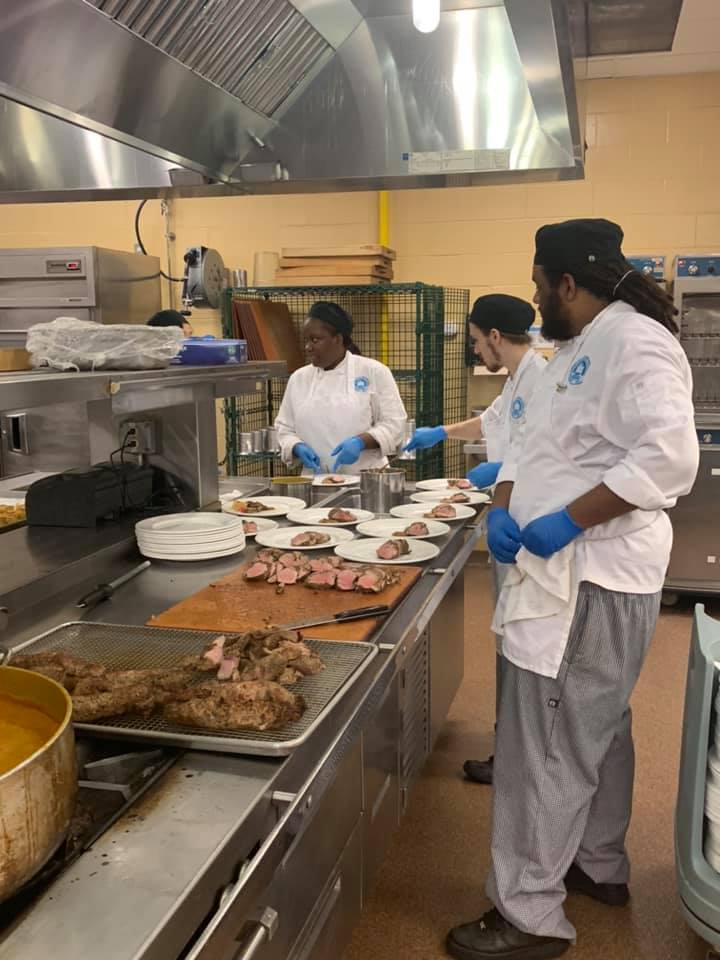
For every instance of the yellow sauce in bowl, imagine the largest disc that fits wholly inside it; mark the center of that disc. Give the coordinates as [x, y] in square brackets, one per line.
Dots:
[24, 728]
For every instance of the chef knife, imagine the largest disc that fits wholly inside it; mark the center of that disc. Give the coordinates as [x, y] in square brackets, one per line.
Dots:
[103, 591]
[361, 613]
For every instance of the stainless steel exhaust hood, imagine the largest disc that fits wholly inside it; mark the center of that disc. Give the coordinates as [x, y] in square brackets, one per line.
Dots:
[107, 97]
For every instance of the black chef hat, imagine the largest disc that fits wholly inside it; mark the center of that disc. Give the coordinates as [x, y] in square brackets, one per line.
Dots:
[498, 311]
[576, 243]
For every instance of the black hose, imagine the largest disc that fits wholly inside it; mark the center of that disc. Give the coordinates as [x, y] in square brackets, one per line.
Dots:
[138, 238]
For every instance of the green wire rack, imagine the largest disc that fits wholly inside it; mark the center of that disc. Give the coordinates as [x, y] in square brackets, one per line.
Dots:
[417, 329]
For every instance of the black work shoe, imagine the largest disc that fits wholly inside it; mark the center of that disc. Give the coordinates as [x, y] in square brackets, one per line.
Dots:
[492, 937]
[611, 894]
[479, 771]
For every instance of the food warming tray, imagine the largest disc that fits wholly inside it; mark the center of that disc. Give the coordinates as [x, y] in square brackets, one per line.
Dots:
[134, 648]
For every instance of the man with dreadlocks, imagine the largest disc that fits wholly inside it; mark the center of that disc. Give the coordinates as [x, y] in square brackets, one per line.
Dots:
[609, 444]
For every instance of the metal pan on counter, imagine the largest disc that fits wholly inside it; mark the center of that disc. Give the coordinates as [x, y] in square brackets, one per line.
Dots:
[119, 647]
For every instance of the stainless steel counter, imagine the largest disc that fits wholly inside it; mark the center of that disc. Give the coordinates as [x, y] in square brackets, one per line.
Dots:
[300, 836]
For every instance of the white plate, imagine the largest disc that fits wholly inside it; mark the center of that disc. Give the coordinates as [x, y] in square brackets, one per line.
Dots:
[194, 525]
[212, 541]
[388, 528]
[417, 511]
[183, 549]
[435, 496]
[365, 551]
[348, 480]
[440, 484]
[314, 515]
[279, 506]
[280, 539]
[162, 554]
[263, 525]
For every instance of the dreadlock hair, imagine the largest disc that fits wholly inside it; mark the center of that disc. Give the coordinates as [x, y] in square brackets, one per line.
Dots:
[618, 280]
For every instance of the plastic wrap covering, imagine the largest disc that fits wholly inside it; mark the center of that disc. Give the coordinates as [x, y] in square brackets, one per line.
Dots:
[71, 344]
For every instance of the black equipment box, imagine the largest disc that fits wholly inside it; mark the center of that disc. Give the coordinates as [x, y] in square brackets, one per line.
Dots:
[81, 497]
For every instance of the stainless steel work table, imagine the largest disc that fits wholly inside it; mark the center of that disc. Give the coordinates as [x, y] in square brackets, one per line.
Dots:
[151, 884]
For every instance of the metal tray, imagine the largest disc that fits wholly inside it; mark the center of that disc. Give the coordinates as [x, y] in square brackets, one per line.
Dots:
[129, 648]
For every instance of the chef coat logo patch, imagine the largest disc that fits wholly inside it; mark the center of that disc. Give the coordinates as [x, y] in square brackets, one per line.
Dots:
[518, 408]
[578, 371]
[361, 384]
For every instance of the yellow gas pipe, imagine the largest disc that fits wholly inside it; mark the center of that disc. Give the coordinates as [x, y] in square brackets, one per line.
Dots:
[384, 240]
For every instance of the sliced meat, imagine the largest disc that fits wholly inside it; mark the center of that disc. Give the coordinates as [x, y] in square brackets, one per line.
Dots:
[258, 571]
[457, 498]
[322, 581]
[310, 538]
[250, 527]
[286, 575]
[372, 581]
[416, 529]
[214, 652]
[321, 565]
[227, 668]
[346, 579]
[333, 479]
[339, 515]
[393, 549]
[460, 484]
[268, 555]
[442, 511]
[272, 575]
[254, 705]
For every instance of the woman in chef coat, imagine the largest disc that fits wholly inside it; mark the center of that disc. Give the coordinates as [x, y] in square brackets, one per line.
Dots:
[341, 413]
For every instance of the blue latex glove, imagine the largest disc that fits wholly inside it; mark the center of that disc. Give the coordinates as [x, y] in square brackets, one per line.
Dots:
[347, 452]
[503, 535]
[425, 437]
[548, 534]
[307, 456]
[485, 474]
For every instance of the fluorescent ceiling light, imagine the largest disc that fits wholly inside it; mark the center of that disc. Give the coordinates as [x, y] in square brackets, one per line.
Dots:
[426, 15]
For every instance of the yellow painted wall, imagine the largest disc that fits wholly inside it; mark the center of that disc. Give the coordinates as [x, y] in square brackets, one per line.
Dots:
[652, 161]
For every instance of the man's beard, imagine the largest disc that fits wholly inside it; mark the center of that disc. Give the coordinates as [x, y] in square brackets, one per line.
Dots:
[496, 364]
[555, 321]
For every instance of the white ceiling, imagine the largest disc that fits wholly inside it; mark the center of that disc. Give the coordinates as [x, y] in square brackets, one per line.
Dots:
[696, 48]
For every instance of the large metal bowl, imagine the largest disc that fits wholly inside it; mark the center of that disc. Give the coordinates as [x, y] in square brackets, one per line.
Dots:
[37, 797]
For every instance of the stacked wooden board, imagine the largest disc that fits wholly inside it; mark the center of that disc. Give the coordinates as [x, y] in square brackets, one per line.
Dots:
[268, 328]
[365, 263]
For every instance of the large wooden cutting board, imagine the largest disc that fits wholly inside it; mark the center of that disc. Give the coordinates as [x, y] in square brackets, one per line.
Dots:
[234, 605]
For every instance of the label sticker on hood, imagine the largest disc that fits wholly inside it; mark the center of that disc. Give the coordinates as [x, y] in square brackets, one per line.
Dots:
[457, 161]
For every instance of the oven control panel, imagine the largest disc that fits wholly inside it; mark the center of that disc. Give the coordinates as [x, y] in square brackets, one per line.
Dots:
[707, 266]
[649, 266]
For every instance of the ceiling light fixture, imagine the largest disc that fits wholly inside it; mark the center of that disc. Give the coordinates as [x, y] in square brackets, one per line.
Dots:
[426, 15]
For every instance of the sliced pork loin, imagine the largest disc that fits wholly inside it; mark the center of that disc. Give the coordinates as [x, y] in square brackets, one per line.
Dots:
[347, 579]
[260, 570]
[340, 515]
[310, 538]
[393, 549]
[371, 580]
[442, 511]
[286, 575]
[457, 498]
[460, 484]
[416, 529]
[322, 581]
[322, 565]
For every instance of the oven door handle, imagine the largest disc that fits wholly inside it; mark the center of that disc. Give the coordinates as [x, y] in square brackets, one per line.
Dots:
[257, 934]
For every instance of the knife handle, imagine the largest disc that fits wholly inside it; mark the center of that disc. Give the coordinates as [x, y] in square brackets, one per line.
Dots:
[363, 612]
[103, 591]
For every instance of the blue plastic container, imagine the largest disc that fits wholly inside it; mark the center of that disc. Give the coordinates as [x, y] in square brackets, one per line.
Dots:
[209, 351]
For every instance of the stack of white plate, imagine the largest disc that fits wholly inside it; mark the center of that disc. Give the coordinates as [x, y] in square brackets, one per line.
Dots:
[190, 536]
[712, 798]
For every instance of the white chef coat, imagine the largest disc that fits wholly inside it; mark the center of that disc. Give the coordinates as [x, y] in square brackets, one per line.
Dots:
[506, 415]
[324, 407]
[613, 406]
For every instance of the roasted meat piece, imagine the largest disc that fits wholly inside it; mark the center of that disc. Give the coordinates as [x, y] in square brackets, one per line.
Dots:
[253, 705]
[460, 484]
[442, 511]
[310, 538]
[59, 666]
[346, 579]
[457, 498]
[249, 506]
[416, 529]
[324, 580]
[375, 580]
[393, 549]
[340, 515]
[260, 570]
[333, 480]
[250, 527]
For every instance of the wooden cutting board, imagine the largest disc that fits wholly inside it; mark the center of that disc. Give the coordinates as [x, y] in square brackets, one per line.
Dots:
[234, 605]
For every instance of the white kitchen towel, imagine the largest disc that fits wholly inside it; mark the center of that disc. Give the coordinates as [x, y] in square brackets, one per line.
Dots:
[535, 610]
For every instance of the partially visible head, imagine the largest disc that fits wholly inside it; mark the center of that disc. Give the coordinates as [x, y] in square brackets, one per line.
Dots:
[498, 322]
[579, 268]
[328, 334]
[171, 318]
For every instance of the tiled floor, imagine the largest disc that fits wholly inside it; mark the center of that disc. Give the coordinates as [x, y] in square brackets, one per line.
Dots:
[434, 873]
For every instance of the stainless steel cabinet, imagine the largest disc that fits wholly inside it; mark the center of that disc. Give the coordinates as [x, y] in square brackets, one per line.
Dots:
[695, 558]
[447, 655]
